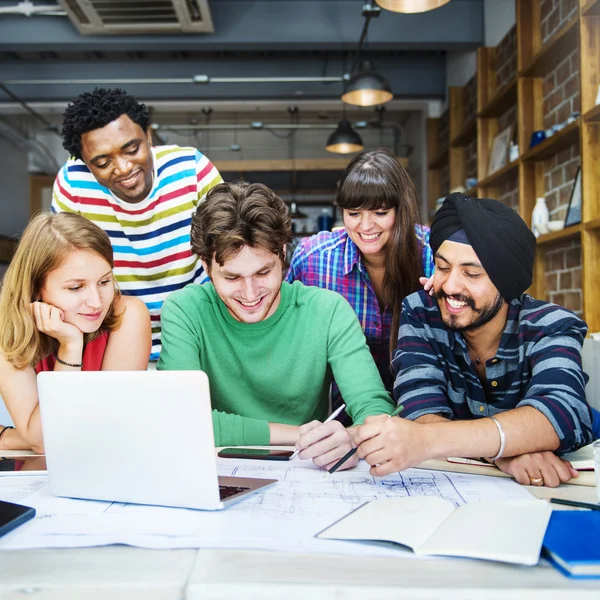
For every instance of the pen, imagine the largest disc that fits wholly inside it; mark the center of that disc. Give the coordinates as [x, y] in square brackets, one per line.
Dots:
[331, 417]
[575, 503]
[352, 452]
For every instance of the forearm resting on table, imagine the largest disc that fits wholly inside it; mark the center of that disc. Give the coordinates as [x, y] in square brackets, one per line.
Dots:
[11, 440]
[283, 435]
[526, 430]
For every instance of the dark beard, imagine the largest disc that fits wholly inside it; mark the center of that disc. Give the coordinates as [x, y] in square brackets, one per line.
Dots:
[485, 314]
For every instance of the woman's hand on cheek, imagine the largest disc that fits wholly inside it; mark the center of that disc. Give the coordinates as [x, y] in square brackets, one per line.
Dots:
[49, 320]
[427, 284]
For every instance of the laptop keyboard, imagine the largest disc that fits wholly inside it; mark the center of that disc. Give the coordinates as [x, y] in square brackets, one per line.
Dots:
[226, 491]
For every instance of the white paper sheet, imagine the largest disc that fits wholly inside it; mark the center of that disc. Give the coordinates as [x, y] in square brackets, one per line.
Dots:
[284, 517]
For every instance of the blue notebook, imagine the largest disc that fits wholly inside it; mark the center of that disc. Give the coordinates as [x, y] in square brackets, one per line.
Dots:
[572, 542]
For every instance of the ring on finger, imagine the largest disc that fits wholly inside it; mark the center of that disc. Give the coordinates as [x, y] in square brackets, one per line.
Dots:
[536, 481]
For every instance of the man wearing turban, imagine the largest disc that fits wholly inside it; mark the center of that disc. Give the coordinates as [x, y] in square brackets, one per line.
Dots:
[481, 368]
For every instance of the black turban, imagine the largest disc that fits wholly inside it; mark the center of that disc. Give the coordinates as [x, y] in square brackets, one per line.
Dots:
[502, 241]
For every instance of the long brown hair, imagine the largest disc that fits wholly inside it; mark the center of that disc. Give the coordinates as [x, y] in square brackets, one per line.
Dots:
[374, 180]
[43, 247]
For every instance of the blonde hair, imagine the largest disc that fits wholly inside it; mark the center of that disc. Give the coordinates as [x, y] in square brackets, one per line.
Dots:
[43, 247]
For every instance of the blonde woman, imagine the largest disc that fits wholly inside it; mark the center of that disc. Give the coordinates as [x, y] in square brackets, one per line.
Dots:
[61, 310]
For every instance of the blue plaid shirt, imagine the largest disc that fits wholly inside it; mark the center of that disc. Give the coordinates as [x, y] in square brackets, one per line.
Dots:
[538, 364]
[331, 260]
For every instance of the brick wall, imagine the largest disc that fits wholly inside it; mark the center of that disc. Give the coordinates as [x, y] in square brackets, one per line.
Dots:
[559, 176]
[561, 98]
[555, 13]
[505, 59]
[562, 279]
[561, 90]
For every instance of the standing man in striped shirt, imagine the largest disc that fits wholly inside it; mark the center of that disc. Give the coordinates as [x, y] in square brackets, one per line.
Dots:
[142, 196]
[483, 369]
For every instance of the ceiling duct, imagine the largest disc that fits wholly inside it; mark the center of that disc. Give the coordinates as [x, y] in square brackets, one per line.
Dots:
[99, 17]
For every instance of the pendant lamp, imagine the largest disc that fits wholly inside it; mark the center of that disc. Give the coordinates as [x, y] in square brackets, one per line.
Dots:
[344, 140]
[366, 87]
[411, 6]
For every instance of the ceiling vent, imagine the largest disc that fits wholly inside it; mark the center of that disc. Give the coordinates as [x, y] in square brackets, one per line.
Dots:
[93, 17]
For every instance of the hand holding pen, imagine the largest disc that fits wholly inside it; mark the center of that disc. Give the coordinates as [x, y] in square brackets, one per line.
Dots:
[353, 451]
[312, 427]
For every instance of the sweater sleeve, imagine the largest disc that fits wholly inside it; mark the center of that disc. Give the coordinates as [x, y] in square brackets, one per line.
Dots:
[353, 367]
[182, 351]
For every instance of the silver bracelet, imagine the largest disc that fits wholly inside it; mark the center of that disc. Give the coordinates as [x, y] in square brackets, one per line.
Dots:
[502, 439]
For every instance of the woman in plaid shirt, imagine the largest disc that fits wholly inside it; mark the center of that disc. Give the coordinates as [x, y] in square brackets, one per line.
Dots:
[378, 258]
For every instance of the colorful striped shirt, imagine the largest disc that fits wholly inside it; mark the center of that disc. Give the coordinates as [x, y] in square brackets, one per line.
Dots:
[331, 260]
[150, 239]
[538, 364]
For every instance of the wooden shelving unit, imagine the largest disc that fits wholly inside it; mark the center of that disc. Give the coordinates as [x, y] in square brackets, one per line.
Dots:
[524, 93]
[568, 233]
[592, 115]
[501, 175]
[502, 100]
[550, 146]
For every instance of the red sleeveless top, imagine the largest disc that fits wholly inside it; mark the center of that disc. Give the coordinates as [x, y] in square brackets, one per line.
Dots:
[93, 354]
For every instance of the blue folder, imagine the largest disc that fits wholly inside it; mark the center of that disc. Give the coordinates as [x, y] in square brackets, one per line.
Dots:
[572, 543]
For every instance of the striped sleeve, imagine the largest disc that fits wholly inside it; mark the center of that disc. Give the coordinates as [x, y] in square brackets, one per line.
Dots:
[207, 176]
[420, 382]
[62, 196]
[557, 384]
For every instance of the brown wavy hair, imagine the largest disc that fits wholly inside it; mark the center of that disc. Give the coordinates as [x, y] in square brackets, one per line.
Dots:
[375, 180]
[236, 215]
[43, 247]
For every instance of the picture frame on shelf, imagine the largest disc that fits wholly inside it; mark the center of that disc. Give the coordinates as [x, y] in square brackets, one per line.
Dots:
[573, 216]
[499, 150]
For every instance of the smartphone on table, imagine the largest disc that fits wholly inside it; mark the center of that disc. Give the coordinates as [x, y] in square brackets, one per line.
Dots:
[13, 515]
[254, 453]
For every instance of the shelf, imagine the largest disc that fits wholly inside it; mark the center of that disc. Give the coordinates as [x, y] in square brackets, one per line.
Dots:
[591, 8]
[568, 233]
[592, 225]
[503, 99]
[550, 146]
[593, 115]
[439, 161]
[467, 134]
[551, 53]
[500, 176]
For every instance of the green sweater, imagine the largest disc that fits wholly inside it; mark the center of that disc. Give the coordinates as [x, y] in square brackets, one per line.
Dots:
[278, 370]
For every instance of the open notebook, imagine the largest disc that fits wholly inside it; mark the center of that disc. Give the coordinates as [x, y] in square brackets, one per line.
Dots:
[510, 531]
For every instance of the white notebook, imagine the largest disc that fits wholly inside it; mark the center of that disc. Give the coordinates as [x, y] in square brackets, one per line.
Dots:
[510, 531]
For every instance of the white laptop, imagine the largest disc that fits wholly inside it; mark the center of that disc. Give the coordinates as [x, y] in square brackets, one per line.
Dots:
[134, 436]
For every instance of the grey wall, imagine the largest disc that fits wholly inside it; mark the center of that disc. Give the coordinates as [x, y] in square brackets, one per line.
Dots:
[14, 191]
[498, 18]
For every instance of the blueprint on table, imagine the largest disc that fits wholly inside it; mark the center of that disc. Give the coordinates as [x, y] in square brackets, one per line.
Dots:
[285, 516]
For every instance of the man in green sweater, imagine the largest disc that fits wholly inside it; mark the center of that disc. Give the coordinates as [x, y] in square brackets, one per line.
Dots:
[270, 348]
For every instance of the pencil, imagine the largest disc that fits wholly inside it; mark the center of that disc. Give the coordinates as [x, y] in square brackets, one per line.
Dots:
[575, 503]
[352, 452]
[331, 417]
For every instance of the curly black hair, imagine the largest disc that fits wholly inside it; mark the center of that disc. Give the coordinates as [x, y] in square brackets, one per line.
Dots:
[97, 109]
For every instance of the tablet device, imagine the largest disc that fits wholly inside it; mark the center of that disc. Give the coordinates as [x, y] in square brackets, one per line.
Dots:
[13, 515]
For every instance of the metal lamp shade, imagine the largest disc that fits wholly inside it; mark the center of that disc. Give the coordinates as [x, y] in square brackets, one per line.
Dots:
[367, 87]
[344, 140]
[411, 6]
